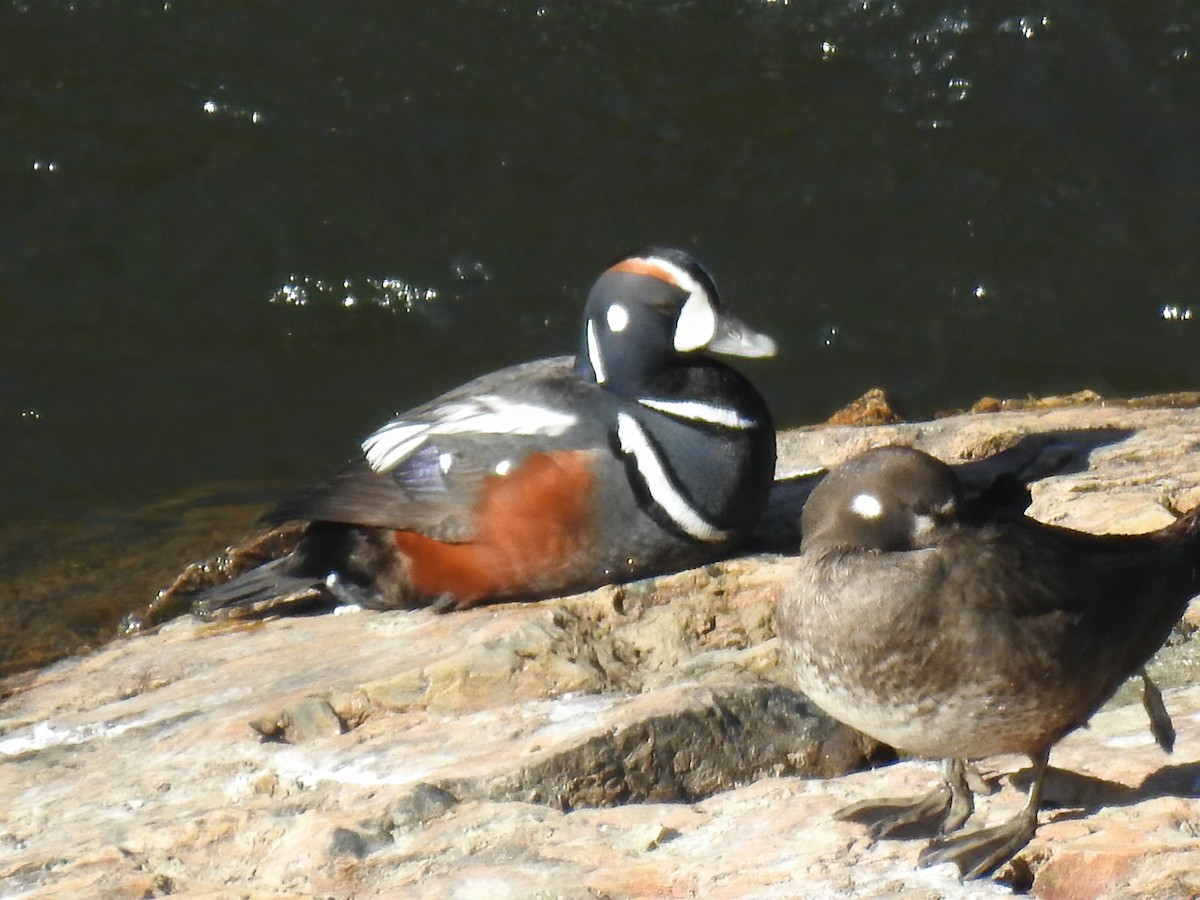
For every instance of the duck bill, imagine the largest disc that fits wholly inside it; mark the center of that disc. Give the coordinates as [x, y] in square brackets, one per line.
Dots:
[734, 337]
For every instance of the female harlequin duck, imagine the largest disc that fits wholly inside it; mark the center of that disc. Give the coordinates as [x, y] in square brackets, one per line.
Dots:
[954, 630]
[640, 455]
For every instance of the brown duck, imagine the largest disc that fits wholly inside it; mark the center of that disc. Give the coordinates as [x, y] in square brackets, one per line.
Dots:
[957, 630]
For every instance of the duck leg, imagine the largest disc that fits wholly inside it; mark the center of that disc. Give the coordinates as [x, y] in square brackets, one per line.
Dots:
[1161, 725]
[977, 853]
[942, 811]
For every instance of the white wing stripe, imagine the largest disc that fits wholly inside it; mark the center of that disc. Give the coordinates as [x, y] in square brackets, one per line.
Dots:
[488, 414]
[393, 443]
[698, 411]
[634, 442]
[385, 454]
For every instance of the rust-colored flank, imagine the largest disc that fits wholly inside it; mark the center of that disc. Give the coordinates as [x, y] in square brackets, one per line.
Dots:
[531, 524]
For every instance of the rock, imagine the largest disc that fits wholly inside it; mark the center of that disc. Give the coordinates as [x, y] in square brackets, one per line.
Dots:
[309, 719]
[639, 740]
[874, 407]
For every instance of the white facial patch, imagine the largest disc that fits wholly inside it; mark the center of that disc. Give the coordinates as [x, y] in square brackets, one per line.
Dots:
[922, 525]
[867, 506]
[487, 414]
[617, 317]
[503, 467]
[634, 442]
[593, 352]
[699, 411]
[697, 322]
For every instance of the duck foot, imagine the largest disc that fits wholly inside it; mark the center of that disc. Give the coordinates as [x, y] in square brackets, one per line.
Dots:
[978, 853]
[941, 811]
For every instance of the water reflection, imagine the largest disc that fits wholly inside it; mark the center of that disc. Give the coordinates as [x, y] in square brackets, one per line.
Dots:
[394, 294]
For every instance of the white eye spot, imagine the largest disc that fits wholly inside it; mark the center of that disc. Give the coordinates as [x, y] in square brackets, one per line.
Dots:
[617, 317]
[697, 323]
[867, 506]
[445, 461]
[503, 467]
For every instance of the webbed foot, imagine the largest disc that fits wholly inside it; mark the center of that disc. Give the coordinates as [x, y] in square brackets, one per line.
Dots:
[978, 853]
[941, 811]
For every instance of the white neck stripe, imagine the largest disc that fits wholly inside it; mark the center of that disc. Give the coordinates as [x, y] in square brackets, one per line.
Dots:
[593, 352]
[698, 411]
[634, 442]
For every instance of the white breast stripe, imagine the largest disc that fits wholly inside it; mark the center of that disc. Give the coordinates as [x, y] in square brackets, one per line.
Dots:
[633, 441]
[488, 414]
[699, 411]
[594, 357]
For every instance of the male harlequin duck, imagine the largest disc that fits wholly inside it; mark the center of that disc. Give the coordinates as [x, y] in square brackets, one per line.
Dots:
[957, 630]
[638, 456]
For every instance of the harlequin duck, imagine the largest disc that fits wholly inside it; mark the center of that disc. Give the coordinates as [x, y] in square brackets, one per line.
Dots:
[957, 630]
[640, 455]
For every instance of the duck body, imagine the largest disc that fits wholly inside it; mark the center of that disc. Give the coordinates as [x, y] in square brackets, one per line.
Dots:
[989, 659]
[954, 630]
[638, 456]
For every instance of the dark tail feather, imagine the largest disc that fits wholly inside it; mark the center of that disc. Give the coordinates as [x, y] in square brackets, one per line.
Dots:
[272, 587]
[331, 564]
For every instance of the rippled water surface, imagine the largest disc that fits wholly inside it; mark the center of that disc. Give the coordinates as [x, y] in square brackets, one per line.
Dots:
[236, 236]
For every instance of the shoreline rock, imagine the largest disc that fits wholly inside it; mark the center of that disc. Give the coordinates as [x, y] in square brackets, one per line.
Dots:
[639, 740]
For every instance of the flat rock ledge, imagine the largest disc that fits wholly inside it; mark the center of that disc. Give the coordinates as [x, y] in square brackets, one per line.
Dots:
[635, 741]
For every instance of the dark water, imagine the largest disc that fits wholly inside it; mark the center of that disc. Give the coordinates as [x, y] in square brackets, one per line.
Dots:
[236, 236]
